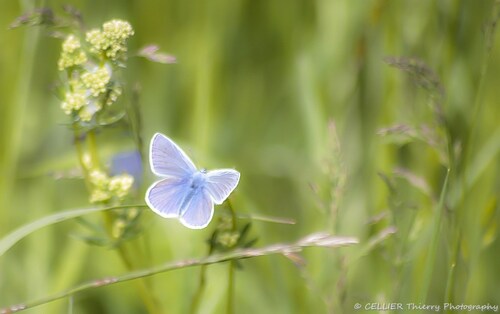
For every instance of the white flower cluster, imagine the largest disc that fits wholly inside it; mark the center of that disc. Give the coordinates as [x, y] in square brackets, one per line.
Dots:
[105, 187]
[71, 54]
[91, 87]
[111, 41]
[96, 81]
[75, 98]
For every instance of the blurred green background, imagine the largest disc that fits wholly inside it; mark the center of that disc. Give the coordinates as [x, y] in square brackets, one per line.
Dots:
[257, 86]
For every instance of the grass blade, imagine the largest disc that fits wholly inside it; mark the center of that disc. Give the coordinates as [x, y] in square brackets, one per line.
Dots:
[313, 240]
[15, 236]
[431, 258]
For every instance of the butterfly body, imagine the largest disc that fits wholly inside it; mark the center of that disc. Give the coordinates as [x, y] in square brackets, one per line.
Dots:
[197, 180]
[196, 184]
[185, 192]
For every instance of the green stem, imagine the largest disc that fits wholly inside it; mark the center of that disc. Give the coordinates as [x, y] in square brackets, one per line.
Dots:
[201, 288]
[80, 152]
[231, 269]
[431, 258]
[92, 146]
[108, 216]
[230, 288]
[450, 284]
[233, 214]
[144, 290]
[203, 270]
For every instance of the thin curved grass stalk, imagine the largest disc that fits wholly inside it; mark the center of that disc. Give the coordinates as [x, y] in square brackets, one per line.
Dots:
[15, 236]
[278, 220]
[431, 258]
[312, 240]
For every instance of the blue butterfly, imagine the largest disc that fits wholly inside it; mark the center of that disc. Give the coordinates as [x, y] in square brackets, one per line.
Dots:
[185, 192]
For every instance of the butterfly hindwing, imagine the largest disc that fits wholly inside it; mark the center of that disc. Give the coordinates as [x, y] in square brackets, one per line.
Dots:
[198, 211]
[165, 197]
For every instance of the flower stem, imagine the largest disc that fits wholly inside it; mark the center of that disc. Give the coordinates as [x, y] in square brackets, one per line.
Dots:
[92, 145]
[108, 216]
[231, 269]
[230, 288]
[201, 287]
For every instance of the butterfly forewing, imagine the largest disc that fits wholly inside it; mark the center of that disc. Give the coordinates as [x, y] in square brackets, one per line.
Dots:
[167, 159]
[220, 183]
